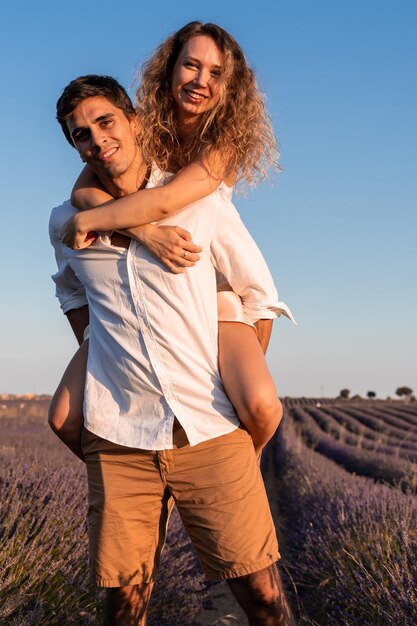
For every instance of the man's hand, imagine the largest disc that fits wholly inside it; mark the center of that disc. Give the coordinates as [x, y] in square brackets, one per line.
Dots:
[172, 245]
[74, 236]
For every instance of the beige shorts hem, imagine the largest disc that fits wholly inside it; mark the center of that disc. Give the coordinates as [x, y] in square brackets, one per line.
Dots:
[121, 581]
[242, 570]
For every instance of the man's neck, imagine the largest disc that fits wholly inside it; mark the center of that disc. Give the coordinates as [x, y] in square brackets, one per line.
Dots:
[130, 181]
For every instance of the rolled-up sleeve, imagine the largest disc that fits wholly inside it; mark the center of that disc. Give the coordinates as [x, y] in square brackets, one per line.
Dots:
[68, 288]
[236, 255]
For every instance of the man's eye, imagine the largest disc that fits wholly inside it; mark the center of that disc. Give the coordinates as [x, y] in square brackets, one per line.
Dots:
[81, 136]
[105, 123]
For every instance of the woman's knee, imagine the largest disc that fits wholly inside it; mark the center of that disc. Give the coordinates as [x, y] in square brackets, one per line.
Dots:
[263, 406]
[55, 417]
[63, 418]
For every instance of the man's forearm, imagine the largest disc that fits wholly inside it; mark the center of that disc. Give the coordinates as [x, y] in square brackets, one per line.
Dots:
[78, 318]
[264, 328]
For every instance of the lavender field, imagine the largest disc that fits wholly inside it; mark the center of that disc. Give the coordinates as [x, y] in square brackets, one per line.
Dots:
[341, 477]
[345, 480]
[43, 549]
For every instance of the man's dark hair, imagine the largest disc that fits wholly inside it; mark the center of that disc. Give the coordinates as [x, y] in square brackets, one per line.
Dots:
[90, 86]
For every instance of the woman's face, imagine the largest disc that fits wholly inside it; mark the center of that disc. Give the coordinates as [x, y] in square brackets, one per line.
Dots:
[197, 79]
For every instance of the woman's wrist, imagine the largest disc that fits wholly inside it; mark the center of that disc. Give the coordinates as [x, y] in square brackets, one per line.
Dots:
[84, 221]
[81, 224]
[141, 233]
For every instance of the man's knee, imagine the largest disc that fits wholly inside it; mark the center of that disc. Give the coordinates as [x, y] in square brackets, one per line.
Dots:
[261, 596]
[128, 605]
[262, 586]
[264, 600]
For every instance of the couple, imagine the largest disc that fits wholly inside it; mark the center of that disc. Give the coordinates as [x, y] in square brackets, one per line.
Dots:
[157, 420]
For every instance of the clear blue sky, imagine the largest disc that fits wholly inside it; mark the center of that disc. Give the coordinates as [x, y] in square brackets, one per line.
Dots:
[337, 227]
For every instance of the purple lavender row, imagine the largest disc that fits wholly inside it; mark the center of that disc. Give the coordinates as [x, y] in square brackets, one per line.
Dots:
[349, 544]
[403, 419]
[407, 429]
[394, 418]
[378, 466]
[410, 409]
[381, 425]
[350, 431]
[384, 410]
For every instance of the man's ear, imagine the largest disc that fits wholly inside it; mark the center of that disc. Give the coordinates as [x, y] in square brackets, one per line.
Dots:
[135, 122]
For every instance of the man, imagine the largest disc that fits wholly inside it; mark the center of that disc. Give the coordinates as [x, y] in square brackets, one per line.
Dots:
[157, 420]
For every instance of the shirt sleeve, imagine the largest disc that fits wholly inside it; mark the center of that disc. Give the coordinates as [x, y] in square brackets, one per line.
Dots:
[68, 288]
[236, 255]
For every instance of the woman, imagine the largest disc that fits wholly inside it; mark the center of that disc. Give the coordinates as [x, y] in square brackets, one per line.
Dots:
[201, 118]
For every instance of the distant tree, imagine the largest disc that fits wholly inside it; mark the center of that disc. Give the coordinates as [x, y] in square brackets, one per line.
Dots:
[356, 397]
[404, 391]
[371, 394]
[344, 393]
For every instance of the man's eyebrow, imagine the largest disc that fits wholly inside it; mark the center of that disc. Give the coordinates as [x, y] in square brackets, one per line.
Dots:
[98, 119]
[103, 117]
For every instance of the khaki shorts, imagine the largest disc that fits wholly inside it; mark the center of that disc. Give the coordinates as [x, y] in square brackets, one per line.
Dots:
[219, 492]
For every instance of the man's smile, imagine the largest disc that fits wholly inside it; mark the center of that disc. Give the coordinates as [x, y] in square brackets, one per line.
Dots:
[106, 156]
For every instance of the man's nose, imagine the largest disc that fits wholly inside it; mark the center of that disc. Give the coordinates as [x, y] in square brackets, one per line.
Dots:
[98, 138]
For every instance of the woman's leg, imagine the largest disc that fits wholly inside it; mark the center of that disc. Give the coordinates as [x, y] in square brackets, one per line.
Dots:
[65, 415]
[247, 381]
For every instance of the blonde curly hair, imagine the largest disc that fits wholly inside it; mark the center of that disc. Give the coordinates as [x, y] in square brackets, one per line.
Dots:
[237, 128]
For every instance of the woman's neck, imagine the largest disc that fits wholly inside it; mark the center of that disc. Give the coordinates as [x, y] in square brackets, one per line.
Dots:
[188, 131]
[188, 147]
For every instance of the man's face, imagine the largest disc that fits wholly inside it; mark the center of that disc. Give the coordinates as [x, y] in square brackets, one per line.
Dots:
[104, 137]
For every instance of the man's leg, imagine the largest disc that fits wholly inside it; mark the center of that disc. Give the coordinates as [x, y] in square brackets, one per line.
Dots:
[222, 501]
[262, 598]
[129, 507]
[127, 606]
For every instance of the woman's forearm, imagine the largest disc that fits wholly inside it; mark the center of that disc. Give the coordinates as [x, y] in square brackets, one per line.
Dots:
[129, 211]
[151, 205]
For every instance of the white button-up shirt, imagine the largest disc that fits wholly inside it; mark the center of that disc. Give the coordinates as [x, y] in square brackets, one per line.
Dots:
[153, 334]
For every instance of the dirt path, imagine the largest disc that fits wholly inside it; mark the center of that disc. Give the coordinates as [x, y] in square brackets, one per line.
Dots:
[225, 611]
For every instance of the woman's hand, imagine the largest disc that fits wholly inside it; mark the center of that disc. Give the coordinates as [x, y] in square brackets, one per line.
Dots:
[75, 236]
[170, 244]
